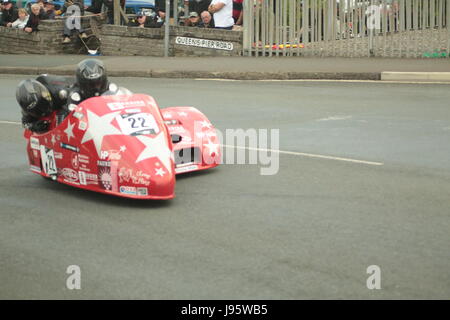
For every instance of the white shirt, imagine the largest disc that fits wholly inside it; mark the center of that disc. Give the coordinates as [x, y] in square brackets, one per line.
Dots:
[20, 24]
[224, 17]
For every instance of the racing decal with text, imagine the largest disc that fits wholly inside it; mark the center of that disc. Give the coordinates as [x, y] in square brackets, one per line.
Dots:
[111, 155]
[134, 176]
[176, 129]
[104, 175]
[184, 169]
[114, 106]
[34, 159]
[142, 191]
[58, 155]
[83, 162]
[82, 126]
[87, 178]
[34, 143]
[69, 175]
[127, 190]
[75, 162]
[69, 147]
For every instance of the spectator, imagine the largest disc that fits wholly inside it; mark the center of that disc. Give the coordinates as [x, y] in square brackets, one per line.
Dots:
[96, 6]
[238, 12]
[198, 6]
[207, 20]
[193, 20]
[146, 20]
[21, 22]
[33, 19]
[1, 13]
[223, 13]
[160, 6]
[9, 13]
[49, 8]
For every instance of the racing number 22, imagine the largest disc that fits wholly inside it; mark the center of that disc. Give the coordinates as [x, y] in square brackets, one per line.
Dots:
[134, 125]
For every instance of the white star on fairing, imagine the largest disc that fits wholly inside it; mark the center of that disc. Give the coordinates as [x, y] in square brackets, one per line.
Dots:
[213, 147]
[156, 147]
[99, 127]
[160, 172]
[206, 124]
[182, 114]
[123, 148]
[69, 131]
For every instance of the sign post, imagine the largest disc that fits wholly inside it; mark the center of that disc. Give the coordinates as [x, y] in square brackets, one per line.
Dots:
[167, 29]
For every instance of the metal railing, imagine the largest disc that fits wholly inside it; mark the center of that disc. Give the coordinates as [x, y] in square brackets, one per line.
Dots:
[349, 28]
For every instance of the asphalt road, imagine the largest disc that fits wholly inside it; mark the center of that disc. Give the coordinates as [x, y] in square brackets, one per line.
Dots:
[309, 231]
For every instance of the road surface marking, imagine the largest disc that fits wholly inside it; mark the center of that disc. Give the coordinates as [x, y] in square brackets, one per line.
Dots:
[301, 154]
[327, 80]
[10, 122]
[309, 155]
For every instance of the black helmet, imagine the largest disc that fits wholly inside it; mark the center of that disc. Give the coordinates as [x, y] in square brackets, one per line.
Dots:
[91, 77]
[34, 98]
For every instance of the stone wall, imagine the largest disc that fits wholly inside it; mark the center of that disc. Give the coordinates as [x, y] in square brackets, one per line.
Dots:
[47, 41]
[123, 41]
[118, 40]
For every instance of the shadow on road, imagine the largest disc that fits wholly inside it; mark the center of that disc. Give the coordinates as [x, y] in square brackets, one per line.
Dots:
[86, 195]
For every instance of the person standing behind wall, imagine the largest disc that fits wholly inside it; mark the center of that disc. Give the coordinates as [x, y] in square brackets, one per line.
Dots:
[199, 6]
[160, 7]
[9, 13]
[223, 13]
[238, 12]
[34, 19]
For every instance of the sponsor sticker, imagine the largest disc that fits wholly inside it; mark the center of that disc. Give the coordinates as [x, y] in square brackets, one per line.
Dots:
[34, 143]
[173, 129]
[69, 175]
[142, 191]
[70, 147]
[186, 168]
[82, 125]
[133, 110]
[136, 177]
[75, 162]
[58, 155]
[82, 177]
[114, 106]
[128, 190]
[35, 169]
[87, 178]
[104, 175]
[78, 115]
[83, 159]
[102, 163]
